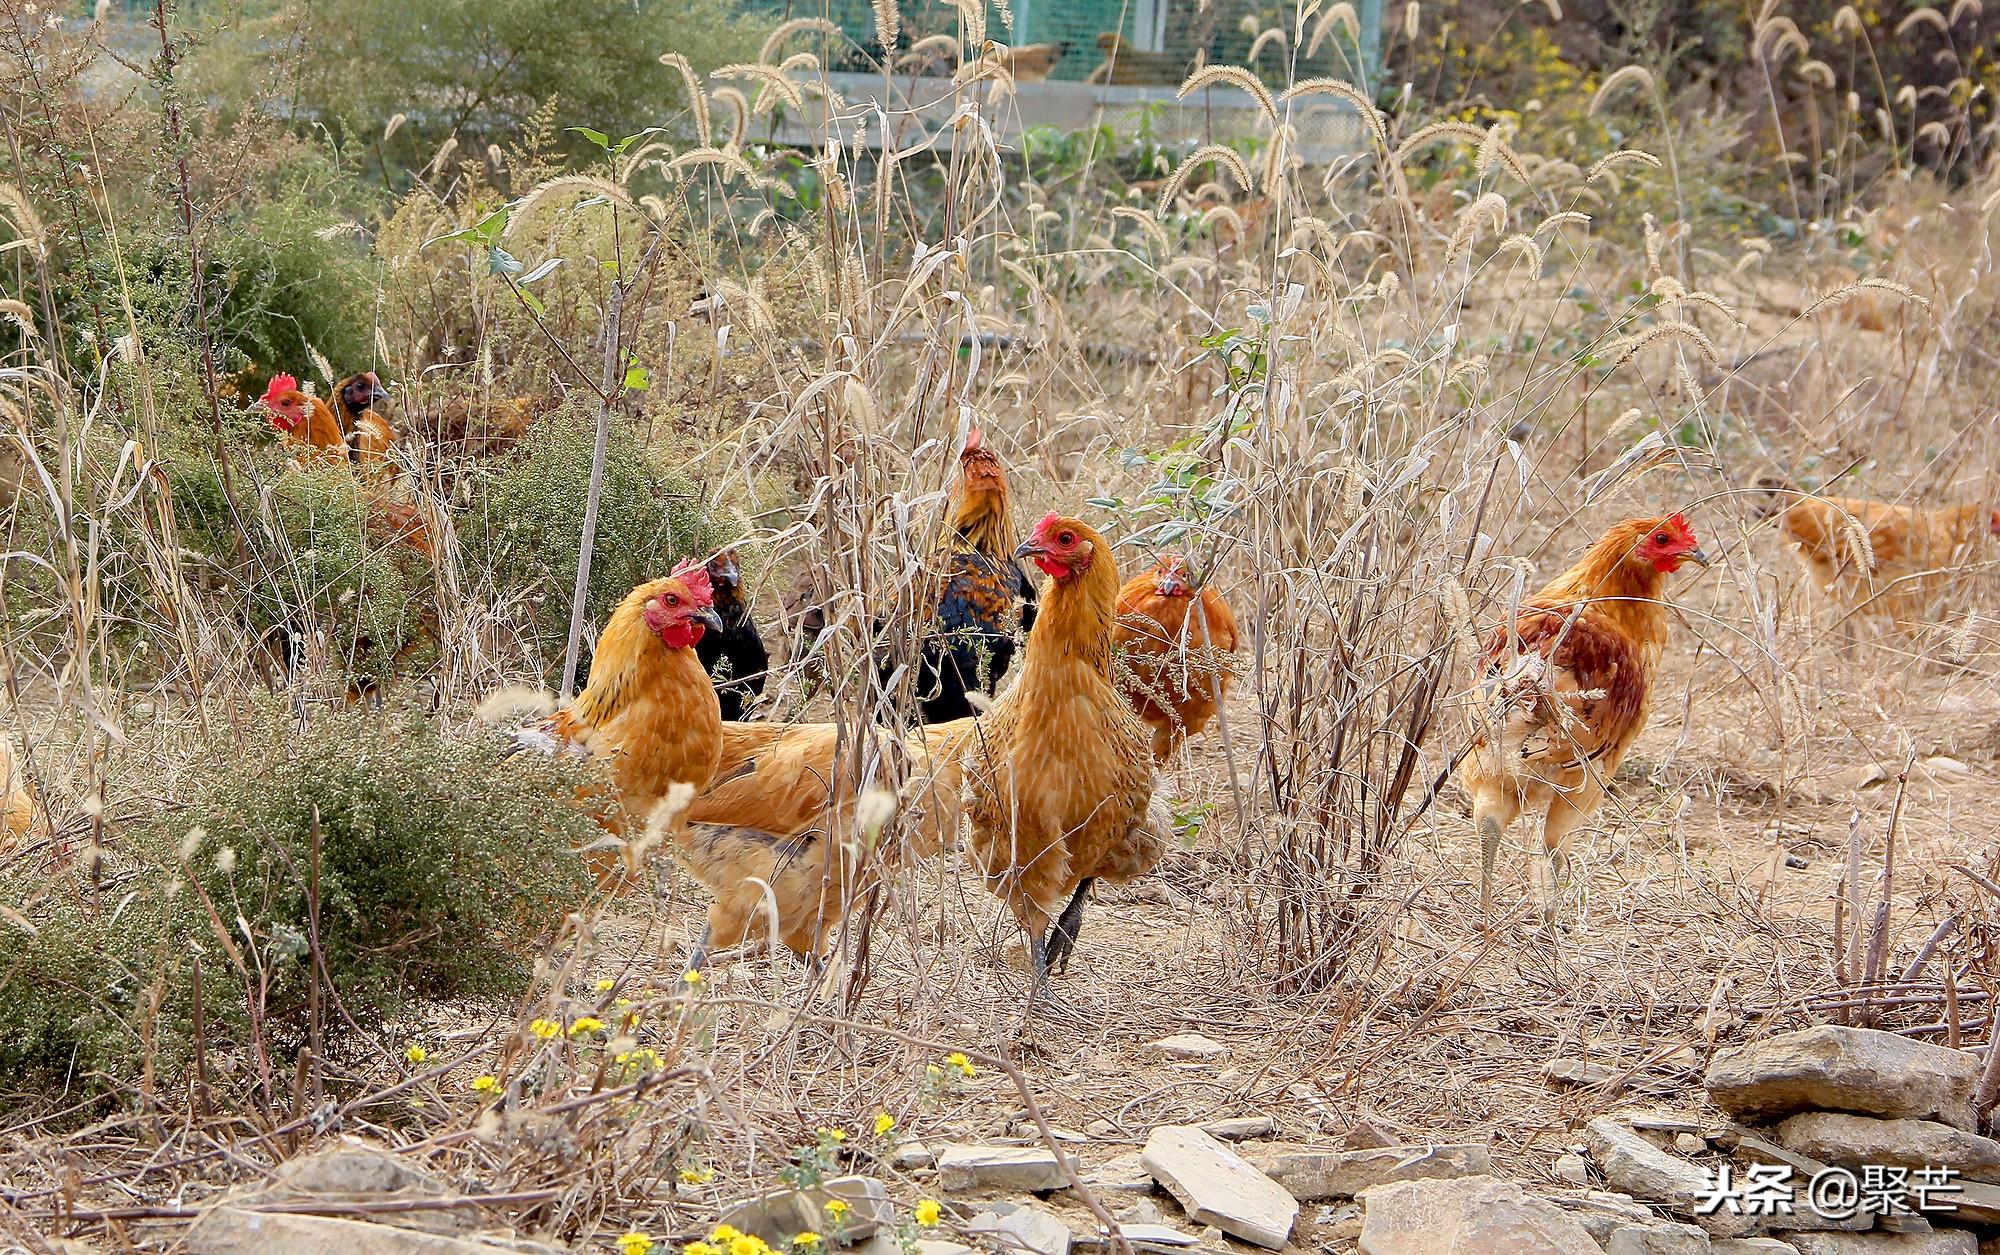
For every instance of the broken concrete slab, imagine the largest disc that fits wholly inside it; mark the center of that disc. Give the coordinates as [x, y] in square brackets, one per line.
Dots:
[1833, 1067]
[1031, 1169]
[1217, 1186]
[1467, 1214]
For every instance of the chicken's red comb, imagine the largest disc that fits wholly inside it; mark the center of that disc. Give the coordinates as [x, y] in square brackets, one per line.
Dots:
[1049, 520]
[695, 576]
[1677, 519]
[973, 440]
[281, 383]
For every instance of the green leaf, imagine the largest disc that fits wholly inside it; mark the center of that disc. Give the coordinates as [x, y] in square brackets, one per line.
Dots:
[623, 144]
[541, 271]
[531, 301]
[638, 379]
[598, 138]
[501, 262]
[485, 232]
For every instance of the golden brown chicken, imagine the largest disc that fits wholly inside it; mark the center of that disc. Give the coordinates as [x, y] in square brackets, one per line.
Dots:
[649, 711]
[17, 804]
[1174, 636]
[1059, 774]
[1123, 64]
[1563, 689]
[1874, 557]
[369, 436]
[1028, 63]
[309, 428]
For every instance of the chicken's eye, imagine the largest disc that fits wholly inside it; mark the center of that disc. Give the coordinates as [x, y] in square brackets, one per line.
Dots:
[1660, 539]
[1067, 538]
[673, 600]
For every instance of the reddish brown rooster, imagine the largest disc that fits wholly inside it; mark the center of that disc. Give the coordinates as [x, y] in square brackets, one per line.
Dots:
[1176, 657]
[1564, 687]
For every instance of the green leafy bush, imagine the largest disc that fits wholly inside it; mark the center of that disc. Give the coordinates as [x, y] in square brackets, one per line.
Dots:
[522, 530]
[439, 864]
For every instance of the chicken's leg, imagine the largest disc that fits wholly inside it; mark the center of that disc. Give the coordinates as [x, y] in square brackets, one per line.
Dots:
[1068, 926]
[698, 953]
[1553, 865]
[1491, 815]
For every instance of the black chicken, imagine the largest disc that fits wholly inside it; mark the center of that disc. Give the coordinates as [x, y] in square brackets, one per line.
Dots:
[735, 657]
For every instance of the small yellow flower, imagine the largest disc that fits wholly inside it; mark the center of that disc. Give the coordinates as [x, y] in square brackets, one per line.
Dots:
[544, 1028]
[415, 1053]
[933, 1072]
[724, 1234]
[883, 1123]
[929, 1213]
[604, 986]
[697, 1176]
[744, 1244]
[634, 1243]
[836, 1207]
[585, 1024]
[958, 1059]
[699, 1248]
[832, 1134]
[488, 1084]
[692, 978]
[807, 1240]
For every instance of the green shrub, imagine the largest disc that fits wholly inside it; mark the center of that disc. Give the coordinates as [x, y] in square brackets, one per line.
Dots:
[522, 530]
[439, 866]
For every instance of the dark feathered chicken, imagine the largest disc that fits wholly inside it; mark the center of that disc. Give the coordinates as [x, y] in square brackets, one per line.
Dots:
[735, 657]
[985, 596]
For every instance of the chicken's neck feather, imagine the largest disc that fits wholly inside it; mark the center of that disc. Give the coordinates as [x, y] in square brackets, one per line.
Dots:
[1618, 585]
[1074, 626]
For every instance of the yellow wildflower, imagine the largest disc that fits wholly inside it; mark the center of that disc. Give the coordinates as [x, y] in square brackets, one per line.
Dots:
[415, 1053]
[883, 1123]
[832, 1134]
[807, 1240]
[585, 1024]
[604, 986]
[545, 1029]
[836, 1207]
[928, 1212]
[745, 1244]
[634, 1243]
[958, 1059]
[724, 1234]
[697, 1176]
[699, 1248]
[487, 1084]
[692, 978]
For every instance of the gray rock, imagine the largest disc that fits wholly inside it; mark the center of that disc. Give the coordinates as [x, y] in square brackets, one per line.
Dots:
[1574, 1169]
[1217, 1186]
[1311, 1174]
[1467, 1214]
[1640, 1168]
[1190, 1046]
[1126, 1173]
[1831, 1067]
[1849, 1140]
[237, 1231]
[1240, 1127]
[1026, 1168]
[1657, 1239]
[355, 1168]
[912, 1155]
[1937, 1242]
[1974, 1202]
[1690, 1144]
[1578, 1073]
[1146, 1236]
[1022, 1228]
[936, 1246]
[1751, 1246]
[779, 1214]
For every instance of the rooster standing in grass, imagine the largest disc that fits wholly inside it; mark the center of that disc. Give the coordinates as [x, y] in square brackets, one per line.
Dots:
[1564, 687]
[1059, 774]
[304, 421]
[986, 596]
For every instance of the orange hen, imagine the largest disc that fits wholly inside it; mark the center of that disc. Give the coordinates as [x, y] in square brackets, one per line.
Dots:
[649, 711]
[1871, 556]
[1174, 635]
[1564, 687]
[1059, 773]
[303, 420]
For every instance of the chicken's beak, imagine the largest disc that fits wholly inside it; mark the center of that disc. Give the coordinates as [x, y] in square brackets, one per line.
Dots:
[1028, 548]
[707, 617]
[377, 395]
[1699, 556]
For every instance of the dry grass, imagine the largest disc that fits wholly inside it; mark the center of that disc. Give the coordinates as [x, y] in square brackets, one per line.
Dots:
[1415, 419]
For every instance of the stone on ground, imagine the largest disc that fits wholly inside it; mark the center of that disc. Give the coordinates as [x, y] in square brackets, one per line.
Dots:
[1239, 1128]
[1751, 1246]
[238, 1231]
[1217, 1186]
[1030, 1169]
[1578, 1073]
[1862, 1070]
[1849, 1140]
[779, 1214]
[1936, 1242]
[1467, 1216]
[1310, 1173]
[1642, 1169]
[1571, 1168]
[1657, 1239]
[1190, 1046]
[1022, 1228]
